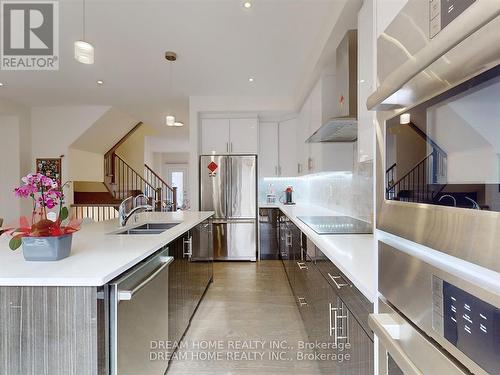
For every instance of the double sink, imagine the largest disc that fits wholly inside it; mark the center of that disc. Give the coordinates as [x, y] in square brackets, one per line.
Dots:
[149, 228]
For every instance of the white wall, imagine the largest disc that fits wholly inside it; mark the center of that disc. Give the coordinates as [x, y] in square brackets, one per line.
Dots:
[10, 168]
[15, 151]
[466, 147]
[55, 128]
[386, 11]
[85, 166]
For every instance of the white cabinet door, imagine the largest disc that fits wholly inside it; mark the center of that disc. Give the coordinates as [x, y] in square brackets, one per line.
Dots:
[287, 148]
[303, 148]
[366, 80]
[268, 149]
[314, 164]
[244, 136]
[214, 136]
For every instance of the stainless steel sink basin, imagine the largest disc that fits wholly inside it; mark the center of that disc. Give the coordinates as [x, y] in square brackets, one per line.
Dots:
[149, 228]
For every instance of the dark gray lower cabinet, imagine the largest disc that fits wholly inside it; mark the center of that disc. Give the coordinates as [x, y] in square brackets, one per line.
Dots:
[189, 276]
[334, 312]
[268, 239]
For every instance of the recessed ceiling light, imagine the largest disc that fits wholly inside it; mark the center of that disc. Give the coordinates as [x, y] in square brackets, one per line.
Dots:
[100, 82]
[1, 84]
[247, 4]
[250, 79]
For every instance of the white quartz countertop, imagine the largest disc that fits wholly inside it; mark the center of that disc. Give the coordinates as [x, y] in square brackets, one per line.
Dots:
[96, 256]
[353, 254]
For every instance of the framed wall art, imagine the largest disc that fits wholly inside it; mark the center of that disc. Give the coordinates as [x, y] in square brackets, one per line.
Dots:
[50, 167]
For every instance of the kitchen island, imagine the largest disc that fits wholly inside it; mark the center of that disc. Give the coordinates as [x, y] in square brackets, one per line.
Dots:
[59, 318]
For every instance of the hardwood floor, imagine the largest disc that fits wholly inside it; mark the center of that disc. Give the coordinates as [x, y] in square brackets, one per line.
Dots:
[247, 302]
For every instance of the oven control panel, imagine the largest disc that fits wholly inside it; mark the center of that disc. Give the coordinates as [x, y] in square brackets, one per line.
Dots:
[469, 323]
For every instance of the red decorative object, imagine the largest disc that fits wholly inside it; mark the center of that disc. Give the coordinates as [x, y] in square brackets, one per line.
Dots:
[212, 167]
[46, 194]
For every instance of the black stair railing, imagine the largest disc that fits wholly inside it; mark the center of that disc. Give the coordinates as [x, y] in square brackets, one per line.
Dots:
[168, 193]
[425, 180]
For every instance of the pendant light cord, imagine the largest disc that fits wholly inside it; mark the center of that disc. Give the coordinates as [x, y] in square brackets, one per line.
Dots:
[83, 23]
[170, 83]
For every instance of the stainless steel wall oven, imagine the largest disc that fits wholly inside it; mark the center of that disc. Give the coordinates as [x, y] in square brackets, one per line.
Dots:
[438, 193]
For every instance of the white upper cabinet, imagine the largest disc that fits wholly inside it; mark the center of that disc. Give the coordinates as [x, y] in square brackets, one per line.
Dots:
[214, 136]
[366, 80]
[303, 148]
[224, 136]
[278, 148]
[244, 136]
[288, 148]
[268, 149]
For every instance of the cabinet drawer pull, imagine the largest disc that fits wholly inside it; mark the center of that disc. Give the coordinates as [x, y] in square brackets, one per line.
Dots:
[302, 301]
[335, 278]
[339, 323]
[302, 265]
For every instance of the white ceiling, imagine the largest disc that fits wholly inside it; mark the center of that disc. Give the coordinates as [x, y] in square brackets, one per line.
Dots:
[219, 45]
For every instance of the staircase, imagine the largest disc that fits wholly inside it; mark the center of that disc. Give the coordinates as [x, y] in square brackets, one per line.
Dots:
[425, 181]
[120, 182]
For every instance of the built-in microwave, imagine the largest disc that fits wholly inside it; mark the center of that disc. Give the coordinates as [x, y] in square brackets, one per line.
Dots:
[438, 137]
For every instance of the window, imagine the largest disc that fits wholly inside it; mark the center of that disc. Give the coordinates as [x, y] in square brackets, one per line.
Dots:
[177, 176]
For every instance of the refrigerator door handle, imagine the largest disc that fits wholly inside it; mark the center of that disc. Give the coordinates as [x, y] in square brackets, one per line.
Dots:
[229, 198]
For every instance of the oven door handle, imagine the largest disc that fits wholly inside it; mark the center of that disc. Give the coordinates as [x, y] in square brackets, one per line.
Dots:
[386, 328]
[411, 350]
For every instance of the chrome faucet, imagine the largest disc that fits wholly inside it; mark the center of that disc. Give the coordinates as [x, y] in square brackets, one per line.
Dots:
[122, 210]
[475, 205]
[449, 196]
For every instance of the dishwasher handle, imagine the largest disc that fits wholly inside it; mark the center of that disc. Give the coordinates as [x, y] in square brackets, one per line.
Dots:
[127, 295]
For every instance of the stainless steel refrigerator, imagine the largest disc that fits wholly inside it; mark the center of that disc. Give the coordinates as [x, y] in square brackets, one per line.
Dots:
[228, 186]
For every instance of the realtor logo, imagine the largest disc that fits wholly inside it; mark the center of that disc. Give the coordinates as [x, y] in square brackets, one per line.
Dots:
[30, 35]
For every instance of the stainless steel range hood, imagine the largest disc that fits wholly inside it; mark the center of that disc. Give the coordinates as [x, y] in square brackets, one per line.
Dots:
[343, 128]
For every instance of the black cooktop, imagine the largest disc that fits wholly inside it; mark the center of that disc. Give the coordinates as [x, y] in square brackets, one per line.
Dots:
[336, 225]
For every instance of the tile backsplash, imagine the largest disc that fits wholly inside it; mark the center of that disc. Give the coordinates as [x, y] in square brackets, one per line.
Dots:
[349, 193]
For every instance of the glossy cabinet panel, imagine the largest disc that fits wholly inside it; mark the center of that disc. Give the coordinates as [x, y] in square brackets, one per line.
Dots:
[189, 275]
[244, 136]
[333, 311]
[214, 136]
[268, 152]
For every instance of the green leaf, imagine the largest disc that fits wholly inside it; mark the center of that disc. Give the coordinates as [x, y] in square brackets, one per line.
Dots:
[15, 242]
[64, 213]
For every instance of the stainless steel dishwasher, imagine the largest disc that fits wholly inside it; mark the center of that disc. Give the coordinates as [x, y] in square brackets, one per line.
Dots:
[139, 316]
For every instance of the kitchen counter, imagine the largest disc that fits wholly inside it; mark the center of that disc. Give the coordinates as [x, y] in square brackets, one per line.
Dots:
[353, 254]
[96, 256]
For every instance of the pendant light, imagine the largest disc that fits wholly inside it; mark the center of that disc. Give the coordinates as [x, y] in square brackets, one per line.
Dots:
[84, 51]
[170, 119]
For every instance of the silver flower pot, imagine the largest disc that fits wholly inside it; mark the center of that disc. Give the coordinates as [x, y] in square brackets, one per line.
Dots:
[47, 248]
